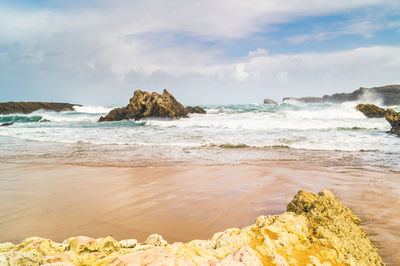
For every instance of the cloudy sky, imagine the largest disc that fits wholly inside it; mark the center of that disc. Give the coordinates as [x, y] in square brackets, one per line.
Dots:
[204, 52]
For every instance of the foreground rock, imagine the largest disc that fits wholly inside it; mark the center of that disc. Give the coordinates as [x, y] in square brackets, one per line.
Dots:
[390, 95]
[371, 110]
[394, 120]
[146, 104]
[29, 107]
[269, 101]
[195, 110]
[316, 230]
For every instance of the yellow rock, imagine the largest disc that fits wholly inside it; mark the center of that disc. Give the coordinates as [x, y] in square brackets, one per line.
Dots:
[315, 230]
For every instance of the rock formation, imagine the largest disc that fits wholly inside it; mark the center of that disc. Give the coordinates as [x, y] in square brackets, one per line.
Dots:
[394, 120]
[29, 107]
[315, 230]
[145, 104]
[195, 110]
[390, 95]
[371, 110]
[269, 101]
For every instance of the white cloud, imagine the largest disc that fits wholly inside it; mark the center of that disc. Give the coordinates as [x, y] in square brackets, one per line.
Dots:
[365, 28]
[128, 44]
[258, 52]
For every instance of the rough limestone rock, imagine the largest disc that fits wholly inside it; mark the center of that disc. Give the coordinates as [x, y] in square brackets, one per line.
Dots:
[145, 104]
[394, 120]
[315, 230]
[389, 94]
[29, 107]
[269, 101]
[371, 110]
[195, 110]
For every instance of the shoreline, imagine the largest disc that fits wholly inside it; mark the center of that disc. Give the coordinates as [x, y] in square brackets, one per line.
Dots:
[59, 201]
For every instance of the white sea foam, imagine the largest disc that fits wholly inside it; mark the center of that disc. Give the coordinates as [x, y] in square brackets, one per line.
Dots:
[92, 109]
[306, 126]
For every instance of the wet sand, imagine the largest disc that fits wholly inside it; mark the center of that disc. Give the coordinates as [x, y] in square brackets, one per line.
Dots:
[183, 203]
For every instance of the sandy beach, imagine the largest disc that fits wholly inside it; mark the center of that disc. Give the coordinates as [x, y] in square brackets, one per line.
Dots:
[183, 203]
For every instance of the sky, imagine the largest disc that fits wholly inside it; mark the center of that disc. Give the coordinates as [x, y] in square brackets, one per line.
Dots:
[203, 52]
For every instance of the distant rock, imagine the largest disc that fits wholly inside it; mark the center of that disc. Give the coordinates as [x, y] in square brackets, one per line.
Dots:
[394, 120]
[145, 104]
[317, 229]
[371, 110]
[269, 101]
[7, 108]
[390, 95]
[195, 110]
[7, 124]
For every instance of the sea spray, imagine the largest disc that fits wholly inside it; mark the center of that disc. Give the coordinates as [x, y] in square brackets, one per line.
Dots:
[244, 131]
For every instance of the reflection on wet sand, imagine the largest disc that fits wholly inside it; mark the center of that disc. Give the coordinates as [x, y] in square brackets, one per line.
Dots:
[183, 203]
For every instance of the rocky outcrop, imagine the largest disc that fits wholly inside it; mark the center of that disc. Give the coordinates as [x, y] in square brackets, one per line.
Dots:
[390, 95]
[195, 110]
[315, 230]
[145, 104]
[269, 101]
[394, 120]
[29, 107]
[371, 110]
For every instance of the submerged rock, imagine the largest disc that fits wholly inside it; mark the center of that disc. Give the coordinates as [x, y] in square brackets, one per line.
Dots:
[390, 95]
[269, 101]
[146, 104]
[7, 124]
[371, 110]
[316, 230]
[394, 120]
[195, 110]
[7, 108]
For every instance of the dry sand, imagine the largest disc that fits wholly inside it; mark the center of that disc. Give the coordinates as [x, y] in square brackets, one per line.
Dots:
[183, 203]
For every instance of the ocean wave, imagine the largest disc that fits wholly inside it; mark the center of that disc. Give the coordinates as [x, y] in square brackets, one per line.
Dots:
[20, 118]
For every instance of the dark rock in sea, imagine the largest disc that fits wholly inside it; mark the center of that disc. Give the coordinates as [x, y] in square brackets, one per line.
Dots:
[7, 124]
[195, 110]
[146, 104]
[269, 101]
[29, 107]
[394, 120]
[371, 110]
[390, 95]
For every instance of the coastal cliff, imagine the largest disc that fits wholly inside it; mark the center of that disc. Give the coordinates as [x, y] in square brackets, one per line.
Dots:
[145, 104]
[389, 94]
[7, 108]
[316, 230]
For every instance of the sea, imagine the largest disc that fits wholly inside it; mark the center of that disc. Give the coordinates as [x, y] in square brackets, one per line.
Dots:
[324, 134]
